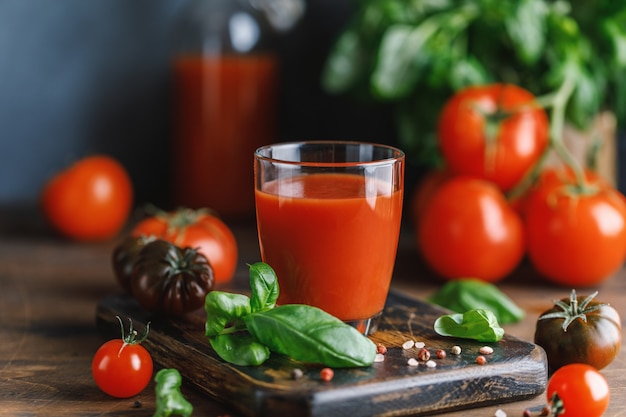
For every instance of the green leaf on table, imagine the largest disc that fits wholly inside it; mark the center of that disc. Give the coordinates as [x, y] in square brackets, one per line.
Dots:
[469, 294]
[480, 325]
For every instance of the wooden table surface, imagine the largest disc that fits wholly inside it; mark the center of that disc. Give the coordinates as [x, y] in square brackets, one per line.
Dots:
[49, 289]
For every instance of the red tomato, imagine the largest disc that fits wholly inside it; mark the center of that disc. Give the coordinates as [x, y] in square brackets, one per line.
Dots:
[550, 176]
[496, 132]
[122, 367]
[469, 230]
[90, 200]
[582, 391]
[576, 237]
[196, 229]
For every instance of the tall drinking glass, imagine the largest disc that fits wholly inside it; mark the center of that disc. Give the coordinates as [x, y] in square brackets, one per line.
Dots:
[328, 220]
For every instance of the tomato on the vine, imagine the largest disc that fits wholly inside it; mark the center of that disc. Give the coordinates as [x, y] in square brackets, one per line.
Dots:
[578, 390]
[122, 367]
[195, 229]
[576, 232]
[496, 132]
[579, 330]
[468, 230]
[90, 200]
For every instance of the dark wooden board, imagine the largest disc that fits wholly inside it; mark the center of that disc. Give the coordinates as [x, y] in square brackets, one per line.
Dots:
[516, 370]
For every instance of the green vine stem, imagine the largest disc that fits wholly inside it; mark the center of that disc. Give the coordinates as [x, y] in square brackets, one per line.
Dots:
[557, 102]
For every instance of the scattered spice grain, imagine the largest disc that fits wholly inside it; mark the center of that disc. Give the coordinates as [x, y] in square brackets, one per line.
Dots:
[296, 373]
[412, 362]
[486, 350]
[381, 349]
[408, 344]
[456, 350]
[440, 353]
[423, 354]
[481, 360]
[327, 374]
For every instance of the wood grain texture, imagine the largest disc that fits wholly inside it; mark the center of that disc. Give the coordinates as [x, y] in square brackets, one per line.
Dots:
[516, 370]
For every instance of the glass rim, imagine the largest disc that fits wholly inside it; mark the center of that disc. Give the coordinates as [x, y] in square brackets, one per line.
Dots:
[397, 154]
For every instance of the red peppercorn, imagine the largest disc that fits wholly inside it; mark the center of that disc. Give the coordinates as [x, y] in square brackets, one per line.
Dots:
[423, 354]
[481, 360]
[327, 374]
[380, 348]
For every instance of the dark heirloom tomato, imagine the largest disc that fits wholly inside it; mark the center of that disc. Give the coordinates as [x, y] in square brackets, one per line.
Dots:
[579, 330]
[124, 256]
[171, 280]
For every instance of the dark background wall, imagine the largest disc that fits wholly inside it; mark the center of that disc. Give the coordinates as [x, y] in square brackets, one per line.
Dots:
[80, 77]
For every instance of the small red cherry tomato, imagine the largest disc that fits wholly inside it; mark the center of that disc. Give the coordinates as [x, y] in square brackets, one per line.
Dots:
[578, 390]
[122, 367]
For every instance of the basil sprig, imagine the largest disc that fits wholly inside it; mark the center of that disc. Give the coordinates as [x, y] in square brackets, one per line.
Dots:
[245, 330]
[478, 324]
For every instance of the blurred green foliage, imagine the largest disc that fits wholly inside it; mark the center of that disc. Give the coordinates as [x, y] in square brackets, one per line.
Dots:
[416, 53]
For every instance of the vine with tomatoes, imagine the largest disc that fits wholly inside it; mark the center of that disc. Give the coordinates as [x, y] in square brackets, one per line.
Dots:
[497, 201]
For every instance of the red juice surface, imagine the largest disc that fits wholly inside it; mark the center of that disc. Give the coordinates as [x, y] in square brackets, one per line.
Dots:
[330, 246]
[224, 111]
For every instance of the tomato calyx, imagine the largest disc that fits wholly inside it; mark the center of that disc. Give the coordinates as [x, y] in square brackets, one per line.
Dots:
[557, 407]
[132, 337]
[572, 310]
[182, 260]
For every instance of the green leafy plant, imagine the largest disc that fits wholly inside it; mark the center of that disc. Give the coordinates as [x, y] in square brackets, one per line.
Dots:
[416, 53]
[245, 330]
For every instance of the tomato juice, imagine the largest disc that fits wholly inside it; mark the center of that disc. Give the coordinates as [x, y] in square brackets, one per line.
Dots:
[331, 242]
[225, 109]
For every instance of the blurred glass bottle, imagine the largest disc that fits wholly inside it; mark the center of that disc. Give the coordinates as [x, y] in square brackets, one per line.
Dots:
[225, 95]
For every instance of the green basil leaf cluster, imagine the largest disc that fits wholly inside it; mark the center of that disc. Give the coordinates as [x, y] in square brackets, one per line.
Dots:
[478, 324]
[468, 294]
[416, 54]
[245, 330]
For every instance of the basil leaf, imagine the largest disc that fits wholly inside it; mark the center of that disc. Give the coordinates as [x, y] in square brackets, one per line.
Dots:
[468, 294]
[346, 63]
[309, 334]
[240, 349]
[480, 325]
[399, 61]
[526, 28]
[224, 308]
[263, 286]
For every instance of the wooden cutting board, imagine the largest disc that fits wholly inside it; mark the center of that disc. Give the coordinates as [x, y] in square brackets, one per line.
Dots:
[516, 370]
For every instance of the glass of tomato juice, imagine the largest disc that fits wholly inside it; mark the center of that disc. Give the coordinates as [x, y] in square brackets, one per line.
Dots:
[328, 220]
